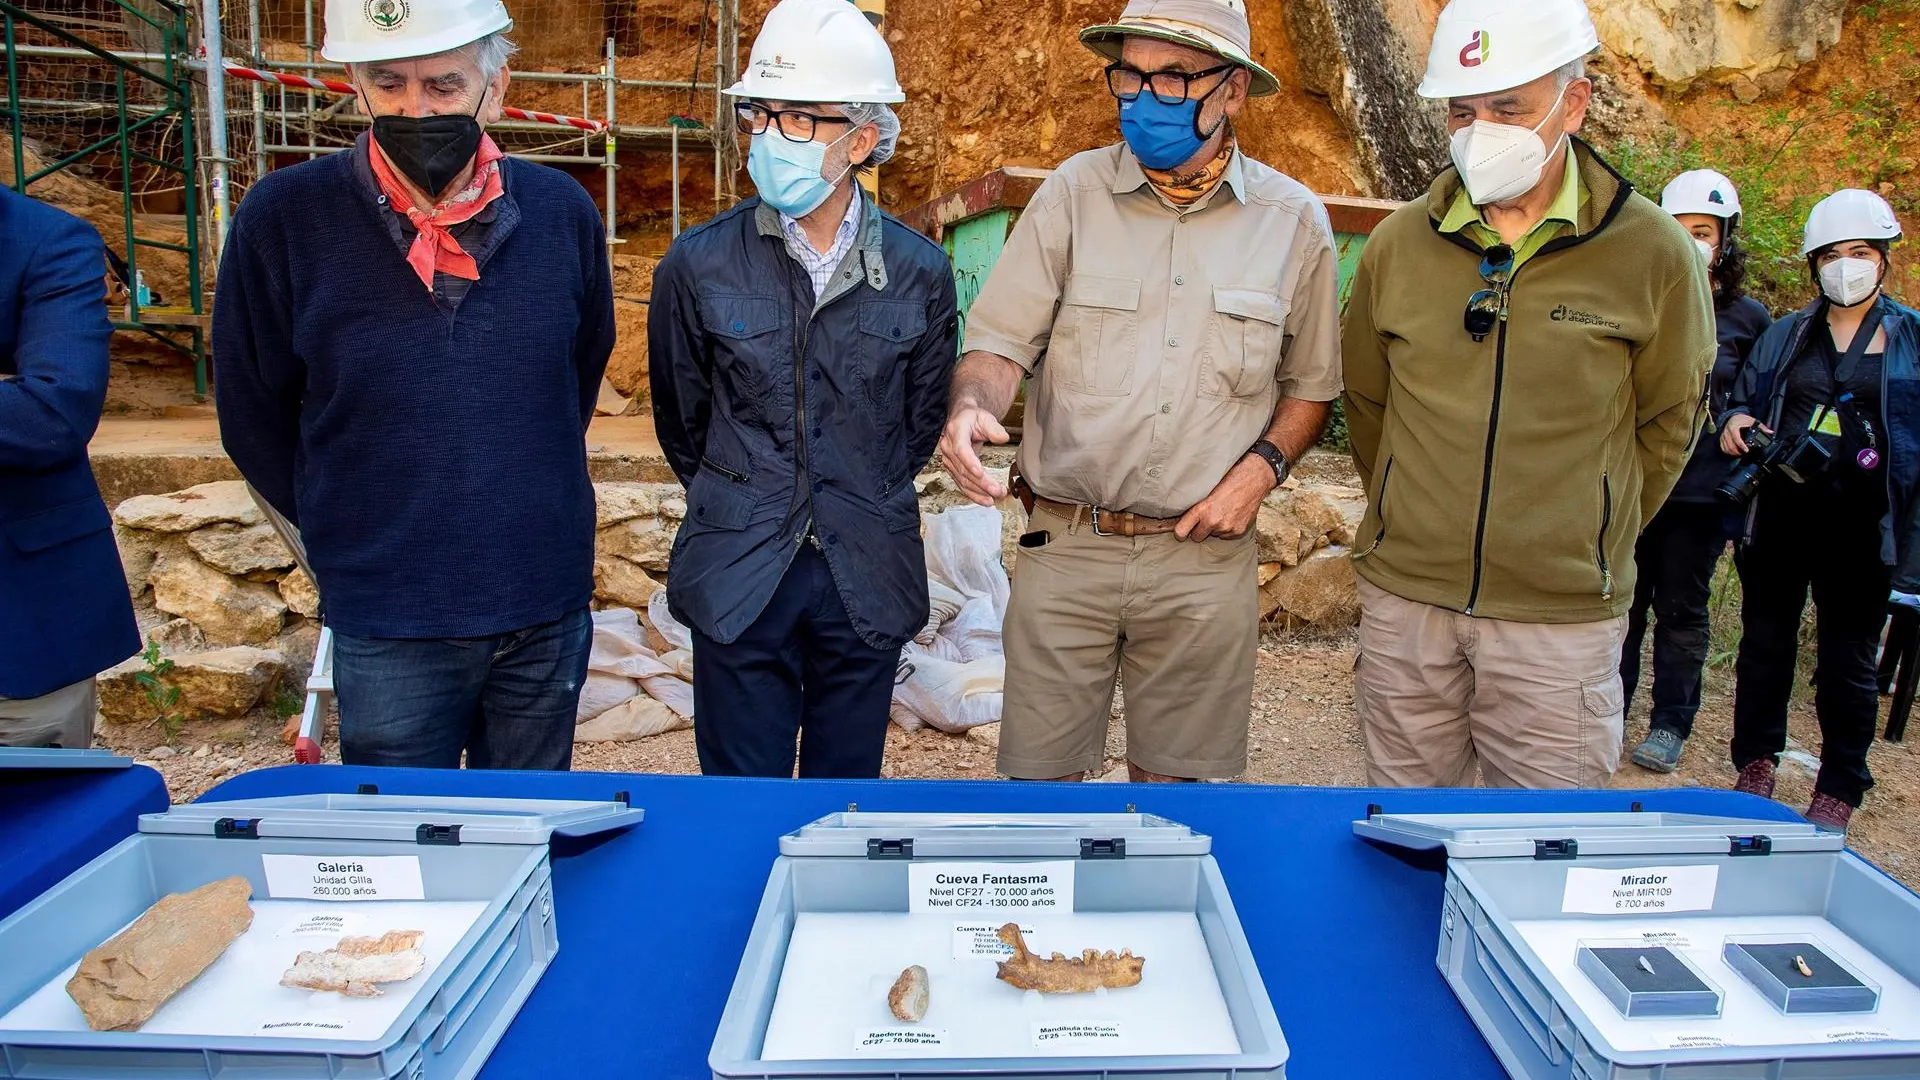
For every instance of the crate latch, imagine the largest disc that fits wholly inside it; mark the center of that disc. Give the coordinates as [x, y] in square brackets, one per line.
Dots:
[437, 834]
[237, 828]
[890, 849]
[1091, 848]
[1750, 845]
[1556, 849]
[366, 789]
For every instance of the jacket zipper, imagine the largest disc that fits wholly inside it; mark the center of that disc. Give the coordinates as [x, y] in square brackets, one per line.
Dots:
[1600, 549]
[723, 470]
[1493, 430]
[800, 413]
[1380, 511]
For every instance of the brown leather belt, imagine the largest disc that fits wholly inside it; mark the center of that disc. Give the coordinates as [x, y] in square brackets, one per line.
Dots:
[1105, 522]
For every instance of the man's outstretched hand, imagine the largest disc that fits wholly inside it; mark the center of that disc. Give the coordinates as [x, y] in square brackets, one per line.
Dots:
[967, 429]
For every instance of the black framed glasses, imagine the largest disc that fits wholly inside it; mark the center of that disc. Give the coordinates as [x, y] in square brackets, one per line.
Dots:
[1168, 87]
[1484, 308]
[754, 119]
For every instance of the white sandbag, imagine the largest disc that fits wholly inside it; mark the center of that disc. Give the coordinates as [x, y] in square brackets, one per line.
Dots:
[638, 718]
[948, 696]
[601, 692]
[672, 691]
[680, 662]
[621, 666]
[677, 635]
[963, 552]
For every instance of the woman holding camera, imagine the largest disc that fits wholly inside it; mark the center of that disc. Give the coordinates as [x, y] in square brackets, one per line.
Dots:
[1826, 420]
[1679, 549]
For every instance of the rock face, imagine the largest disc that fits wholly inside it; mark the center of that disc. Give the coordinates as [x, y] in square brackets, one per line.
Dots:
[1366, 57]
[137, 550]
[121, 984]
[1679, 41]
[240, 549]
[623, 584]
[641, 541]
[614, 503]
[194, 508]
[1319, 591]
[228, 610]
[221, 684]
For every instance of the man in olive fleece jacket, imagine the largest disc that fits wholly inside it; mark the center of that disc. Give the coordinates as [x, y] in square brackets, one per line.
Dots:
[1507, 478]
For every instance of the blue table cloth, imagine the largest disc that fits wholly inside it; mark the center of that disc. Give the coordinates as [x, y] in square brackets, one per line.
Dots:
[652, 921]
[53, 821]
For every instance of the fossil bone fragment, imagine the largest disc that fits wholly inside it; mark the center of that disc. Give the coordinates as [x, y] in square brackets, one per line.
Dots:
[355, 966]
[121, 984]
[1083, 974]
[908, 998]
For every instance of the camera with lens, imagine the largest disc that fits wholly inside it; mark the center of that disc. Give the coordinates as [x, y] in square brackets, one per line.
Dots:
[1795, 457]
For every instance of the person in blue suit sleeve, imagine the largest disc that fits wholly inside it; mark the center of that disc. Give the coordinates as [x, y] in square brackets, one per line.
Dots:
[65, 614]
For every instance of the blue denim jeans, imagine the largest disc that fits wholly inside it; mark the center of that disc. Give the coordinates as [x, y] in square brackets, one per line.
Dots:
[508, 701]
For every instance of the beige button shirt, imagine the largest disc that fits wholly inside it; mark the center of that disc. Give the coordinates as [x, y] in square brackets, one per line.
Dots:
[1159, 341]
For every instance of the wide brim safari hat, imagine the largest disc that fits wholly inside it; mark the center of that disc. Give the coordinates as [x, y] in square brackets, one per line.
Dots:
[1216, 26]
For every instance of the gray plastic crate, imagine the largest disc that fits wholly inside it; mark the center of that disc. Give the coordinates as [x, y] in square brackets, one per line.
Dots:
[857, 862]
[490, 850]
[1506, 868]
[31, 758]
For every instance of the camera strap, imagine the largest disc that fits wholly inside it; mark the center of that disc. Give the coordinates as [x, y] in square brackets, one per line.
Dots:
[1857, 348]
[1845, 406]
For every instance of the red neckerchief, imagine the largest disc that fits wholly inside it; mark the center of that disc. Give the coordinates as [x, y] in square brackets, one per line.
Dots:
[434, 248]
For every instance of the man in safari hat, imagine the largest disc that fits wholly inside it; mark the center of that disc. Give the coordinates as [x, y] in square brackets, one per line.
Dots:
[1172, 302]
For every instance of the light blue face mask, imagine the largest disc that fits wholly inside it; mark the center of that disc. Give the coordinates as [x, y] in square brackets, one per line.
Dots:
[787, 173]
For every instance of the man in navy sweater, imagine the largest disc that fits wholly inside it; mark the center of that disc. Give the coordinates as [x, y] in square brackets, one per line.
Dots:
[408, 339]
[64, 611]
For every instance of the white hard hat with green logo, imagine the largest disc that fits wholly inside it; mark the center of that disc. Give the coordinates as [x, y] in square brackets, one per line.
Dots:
[1486, 46]
[367, 31]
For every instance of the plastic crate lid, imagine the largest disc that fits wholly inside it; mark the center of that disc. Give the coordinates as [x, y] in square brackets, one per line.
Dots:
[987, 836]
[397, 817]
[22, 757]
[1505, 836]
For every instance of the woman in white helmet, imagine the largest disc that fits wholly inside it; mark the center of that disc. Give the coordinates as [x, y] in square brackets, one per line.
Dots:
[1826, 418]
[1678, 551]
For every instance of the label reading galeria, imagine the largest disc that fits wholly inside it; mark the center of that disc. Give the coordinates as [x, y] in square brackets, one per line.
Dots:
[942, 887]
[343, 877]
[1093, 1035]
[891, 1041]
[1639, 890]
[981, 941]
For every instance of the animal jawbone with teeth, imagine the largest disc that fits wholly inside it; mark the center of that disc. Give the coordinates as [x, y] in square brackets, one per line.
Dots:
[1059, 974]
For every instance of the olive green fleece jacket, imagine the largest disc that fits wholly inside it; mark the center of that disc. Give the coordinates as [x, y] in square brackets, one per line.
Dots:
[1509, 478]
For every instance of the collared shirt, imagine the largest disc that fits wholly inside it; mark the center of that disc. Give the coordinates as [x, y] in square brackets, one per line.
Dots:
[1159, 340]
[1563, 215]
[820, 265]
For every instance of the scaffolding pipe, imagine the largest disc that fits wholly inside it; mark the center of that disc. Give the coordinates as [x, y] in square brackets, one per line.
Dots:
[210, 50]
[337, 87]
[612, 150]
[676, 182]
[550, 159]
[258, 92]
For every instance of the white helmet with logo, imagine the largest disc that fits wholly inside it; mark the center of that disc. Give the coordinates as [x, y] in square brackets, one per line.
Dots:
[366, 31]
[1849, 214]
[1486, 46]
[1702, 191]
[819, 50]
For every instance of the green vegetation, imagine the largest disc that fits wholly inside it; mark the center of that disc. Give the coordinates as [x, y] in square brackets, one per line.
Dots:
[162, 696]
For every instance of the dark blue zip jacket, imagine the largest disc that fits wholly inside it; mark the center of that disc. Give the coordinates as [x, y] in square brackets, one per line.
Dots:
[776, 412]
[1738, 324]
[1761, 391]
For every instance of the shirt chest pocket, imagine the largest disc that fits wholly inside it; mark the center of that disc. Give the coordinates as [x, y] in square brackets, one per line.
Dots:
[889, 332]
[744, 334]
[1096, 336]
[1242, 352]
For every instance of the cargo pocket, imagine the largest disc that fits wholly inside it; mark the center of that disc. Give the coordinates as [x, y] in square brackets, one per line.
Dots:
[719, 499]
[1242, 352]
[1096, 337]
[736, 323]
[1602, 721]
[59, 526]
[900, 508]
[889, 331]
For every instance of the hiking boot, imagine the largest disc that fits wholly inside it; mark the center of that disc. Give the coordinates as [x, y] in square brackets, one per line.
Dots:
[1829, 812]
[1756, 778]
[1659, 751]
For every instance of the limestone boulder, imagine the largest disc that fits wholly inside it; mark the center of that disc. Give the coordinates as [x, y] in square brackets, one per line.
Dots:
[221, 684]
[1319, 591]
[228, 610]
[195, 508]
[1294, 523]
[1678, 42]
[645, 542]
[623, 584]
[240, 550]
[614, 503]
[137, 549]
[298, 592]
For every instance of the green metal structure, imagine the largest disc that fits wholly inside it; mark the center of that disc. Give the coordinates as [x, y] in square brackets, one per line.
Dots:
[149, 111]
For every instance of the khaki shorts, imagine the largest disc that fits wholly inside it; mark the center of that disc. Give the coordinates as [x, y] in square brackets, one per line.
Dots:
[62, 719]
[1445, 698]
[1178, 621]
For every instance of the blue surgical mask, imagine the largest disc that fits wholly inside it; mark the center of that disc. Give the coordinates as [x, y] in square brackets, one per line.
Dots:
[1162, 136]
[787, 173]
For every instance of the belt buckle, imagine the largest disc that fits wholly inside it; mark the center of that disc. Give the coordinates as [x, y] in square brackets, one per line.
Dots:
[1097, 529]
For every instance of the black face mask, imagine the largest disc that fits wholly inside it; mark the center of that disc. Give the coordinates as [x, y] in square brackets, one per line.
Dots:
[430, 150]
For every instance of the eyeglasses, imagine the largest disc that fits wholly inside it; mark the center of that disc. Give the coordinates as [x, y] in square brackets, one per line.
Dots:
[755, 119]
[1169, 87]
[1485, 307]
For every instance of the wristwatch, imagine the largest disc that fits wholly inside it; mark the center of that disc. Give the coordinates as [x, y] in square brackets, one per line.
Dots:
[1271, 454]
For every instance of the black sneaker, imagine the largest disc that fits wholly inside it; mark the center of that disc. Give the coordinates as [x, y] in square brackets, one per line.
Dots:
[1660, 751]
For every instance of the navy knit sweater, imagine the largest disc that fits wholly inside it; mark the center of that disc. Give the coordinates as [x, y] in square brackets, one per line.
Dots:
[432, 454]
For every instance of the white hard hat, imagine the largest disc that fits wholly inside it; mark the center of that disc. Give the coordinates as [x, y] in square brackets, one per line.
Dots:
[819, 50]
[365, 31]
[1702, 191]
[1849, 214]
[1486, 46]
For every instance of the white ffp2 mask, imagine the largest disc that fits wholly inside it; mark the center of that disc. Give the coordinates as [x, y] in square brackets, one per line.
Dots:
[1707, 250]
[1849, 281]
[1501, 162]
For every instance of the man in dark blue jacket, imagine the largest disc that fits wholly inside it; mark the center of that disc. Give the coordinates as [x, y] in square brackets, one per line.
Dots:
[64, 611]
[800, 348]
[408, 338]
